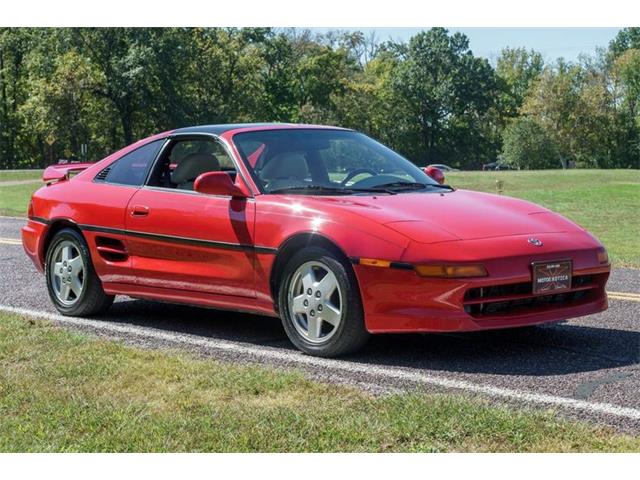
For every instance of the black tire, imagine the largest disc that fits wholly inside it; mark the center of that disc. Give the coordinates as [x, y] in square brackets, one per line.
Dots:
[350, 334]
[92, 300]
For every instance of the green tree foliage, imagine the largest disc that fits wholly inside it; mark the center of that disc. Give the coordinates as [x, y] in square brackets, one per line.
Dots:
[626, 71]
[626, 39]
[15, 45]
[445, 91]
[278, 78]
[59, 109]
[528, 146]
[122, 58]
[369, 103]
[223, 75]
[429, 98]
[517, 69]
[573, 107]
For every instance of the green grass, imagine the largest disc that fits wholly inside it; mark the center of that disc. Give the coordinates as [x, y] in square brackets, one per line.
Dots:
[606, 202]
[14, 199]
[9, 175]
[63, 391]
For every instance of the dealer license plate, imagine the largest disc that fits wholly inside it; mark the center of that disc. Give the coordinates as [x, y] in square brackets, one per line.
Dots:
[552, 277]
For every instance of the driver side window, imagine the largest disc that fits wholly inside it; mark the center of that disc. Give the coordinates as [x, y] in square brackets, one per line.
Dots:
[185, 160]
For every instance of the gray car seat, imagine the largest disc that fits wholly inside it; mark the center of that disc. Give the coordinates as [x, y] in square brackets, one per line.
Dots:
[192, 166]
[285, 169]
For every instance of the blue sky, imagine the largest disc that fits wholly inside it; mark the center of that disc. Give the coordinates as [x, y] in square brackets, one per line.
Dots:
[487, 42]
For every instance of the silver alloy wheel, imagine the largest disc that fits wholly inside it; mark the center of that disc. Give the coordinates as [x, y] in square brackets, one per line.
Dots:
[315, 302]
[67, 273]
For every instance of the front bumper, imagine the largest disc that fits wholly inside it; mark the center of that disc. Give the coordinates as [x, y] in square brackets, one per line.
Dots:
[398, 300]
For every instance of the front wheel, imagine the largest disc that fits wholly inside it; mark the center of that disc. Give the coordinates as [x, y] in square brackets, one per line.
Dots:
[320, 304]
[72, 283]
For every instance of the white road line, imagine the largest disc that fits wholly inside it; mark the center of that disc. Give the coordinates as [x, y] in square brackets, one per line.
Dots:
[340, 365]
[10, 241]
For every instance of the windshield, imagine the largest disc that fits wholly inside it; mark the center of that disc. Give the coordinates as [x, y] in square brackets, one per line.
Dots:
[333, 162]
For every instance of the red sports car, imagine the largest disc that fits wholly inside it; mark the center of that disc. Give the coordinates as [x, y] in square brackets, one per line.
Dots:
[324, 227]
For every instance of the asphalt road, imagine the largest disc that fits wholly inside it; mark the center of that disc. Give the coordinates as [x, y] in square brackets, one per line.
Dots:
[587, 368]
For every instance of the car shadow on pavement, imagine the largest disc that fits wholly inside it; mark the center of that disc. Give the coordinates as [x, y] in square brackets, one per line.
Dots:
[538, 351]
[542, 351]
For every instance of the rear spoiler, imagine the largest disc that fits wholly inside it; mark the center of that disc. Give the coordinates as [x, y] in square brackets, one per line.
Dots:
[62, 171]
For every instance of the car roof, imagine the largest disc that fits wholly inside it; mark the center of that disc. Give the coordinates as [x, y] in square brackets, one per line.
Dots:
[228, 127]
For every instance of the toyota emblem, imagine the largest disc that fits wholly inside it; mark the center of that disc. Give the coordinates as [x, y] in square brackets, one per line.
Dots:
[535, 242]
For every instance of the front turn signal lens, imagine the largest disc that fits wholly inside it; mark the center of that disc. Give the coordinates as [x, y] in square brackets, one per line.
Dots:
[603, 256]
[451, 271]
[375, 262]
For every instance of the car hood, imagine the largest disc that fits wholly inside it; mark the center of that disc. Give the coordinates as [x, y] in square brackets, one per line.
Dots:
[449, 216]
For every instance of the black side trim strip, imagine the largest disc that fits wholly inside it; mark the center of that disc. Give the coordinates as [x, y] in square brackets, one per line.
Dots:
[266, 250]
[93, 228]
[398, 265]
[40, 220]
[185, 240]
[401, 265]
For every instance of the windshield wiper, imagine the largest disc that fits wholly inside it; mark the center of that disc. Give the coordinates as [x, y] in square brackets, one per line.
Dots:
[394, 187]
[375, 189]
[391, 188]
[313, 188]
[438, 185]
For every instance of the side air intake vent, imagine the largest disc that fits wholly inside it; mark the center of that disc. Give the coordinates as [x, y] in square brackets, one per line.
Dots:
[103, 174]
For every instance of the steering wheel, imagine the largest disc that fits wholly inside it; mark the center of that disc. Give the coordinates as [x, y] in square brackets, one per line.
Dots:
[355, 173]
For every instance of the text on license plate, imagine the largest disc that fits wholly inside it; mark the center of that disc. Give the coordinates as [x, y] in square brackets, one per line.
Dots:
[552, 277]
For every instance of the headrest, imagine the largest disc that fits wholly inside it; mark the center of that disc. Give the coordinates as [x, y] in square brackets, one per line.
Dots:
[194, 164]
[286, 165]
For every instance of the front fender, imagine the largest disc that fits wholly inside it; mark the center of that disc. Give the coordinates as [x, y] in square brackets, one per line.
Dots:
[356, 236]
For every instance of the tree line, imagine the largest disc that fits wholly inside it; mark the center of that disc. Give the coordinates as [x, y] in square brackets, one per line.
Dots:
[81, 93]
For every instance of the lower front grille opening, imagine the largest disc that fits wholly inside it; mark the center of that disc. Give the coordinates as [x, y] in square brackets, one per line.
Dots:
[498, 291]
[494, 291]
[529, 304]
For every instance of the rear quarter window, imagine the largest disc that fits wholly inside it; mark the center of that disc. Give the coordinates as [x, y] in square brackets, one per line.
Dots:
[132, 168]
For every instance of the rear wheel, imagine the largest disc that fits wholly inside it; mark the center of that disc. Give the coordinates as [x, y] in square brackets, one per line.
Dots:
[320, 304]
[73, 286]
